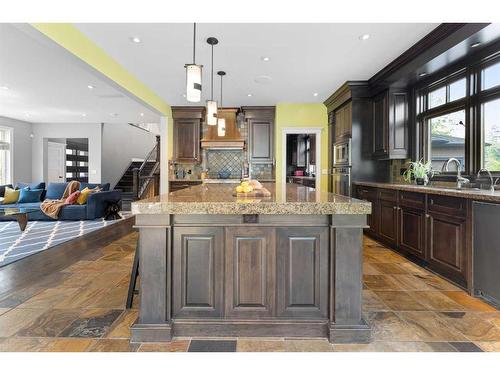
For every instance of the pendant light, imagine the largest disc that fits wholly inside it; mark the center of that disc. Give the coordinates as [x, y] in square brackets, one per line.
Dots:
[221, 121]
[212, 104]
[193, 76]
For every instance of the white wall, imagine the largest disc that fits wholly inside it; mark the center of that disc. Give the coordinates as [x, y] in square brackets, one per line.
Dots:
[42, 131]
[21, 148]
[120, 144]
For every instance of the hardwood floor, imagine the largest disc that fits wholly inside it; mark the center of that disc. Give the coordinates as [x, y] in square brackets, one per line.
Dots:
[82, 308]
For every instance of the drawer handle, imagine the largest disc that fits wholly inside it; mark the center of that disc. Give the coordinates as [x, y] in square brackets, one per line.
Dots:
[432, 201]
[394, 208]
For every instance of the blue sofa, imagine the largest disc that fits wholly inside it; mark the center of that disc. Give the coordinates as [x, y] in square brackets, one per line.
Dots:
[95, 207]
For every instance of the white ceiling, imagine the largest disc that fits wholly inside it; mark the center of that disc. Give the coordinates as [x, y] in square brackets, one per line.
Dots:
[305, 58]
[47, 84]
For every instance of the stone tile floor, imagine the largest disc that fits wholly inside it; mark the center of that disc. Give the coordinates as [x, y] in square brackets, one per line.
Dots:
[82, 308]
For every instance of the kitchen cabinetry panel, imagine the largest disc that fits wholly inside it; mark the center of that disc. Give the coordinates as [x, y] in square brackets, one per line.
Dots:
[411, 231]
[260, 122]
[388, 222]
[187, 140]
[198, 272]
[250, 272]
[343, 122]
[302, 277]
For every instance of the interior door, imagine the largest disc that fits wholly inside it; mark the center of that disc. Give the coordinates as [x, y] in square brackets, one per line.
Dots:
[56, 162]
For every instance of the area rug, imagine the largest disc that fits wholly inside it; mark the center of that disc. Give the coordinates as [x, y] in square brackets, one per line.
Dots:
[41, 235]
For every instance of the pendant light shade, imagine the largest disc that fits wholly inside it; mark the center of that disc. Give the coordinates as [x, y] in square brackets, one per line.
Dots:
[221, 121]
[193, 83]
[212, 104]
[193, 76]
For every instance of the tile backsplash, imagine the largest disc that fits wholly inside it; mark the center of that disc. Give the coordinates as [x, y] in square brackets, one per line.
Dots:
[224, 160]
[262, 171]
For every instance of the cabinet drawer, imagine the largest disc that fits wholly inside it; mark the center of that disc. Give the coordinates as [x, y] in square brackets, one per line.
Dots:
[410, 199]
[388, 195]
[367, 193]
[447, 205]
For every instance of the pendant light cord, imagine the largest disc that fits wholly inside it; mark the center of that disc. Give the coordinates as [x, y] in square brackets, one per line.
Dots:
[194, 44]
[221, 90]
[212, 83]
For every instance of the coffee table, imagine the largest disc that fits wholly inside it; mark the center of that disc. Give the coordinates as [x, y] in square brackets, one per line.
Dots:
[20, 214]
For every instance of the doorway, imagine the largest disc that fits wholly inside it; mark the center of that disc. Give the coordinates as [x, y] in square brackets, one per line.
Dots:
[301, 158]
[56, 161]
[67, 159]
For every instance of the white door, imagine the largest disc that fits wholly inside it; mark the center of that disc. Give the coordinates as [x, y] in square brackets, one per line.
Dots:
[56, 162]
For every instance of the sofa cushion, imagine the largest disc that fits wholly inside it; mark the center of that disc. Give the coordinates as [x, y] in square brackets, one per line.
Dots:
[27, 195]
[31, 185]
[103, 187]
[55, 190]
[73, 212]
[10, 196]
[72, 197]
[2, 189]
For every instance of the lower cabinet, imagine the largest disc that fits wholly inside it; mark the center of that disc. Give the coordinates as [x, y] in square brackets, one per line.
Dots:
[412, 231]
[388, 214]
[197, 275]
[446, 241]
[302, 272]
[250, 272]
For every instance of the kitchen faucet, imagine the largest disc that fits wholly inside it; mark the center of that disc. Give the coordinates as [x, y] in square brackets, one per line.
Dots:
[492, 184]
[460, 180]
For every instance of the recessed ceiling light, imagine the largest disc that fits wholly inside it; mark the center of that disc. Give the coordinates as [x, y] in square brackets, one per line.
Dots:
[423, 74]
[90, 87]
[84, 115]
[249, 95]
[27, 114]
[315, 94]
[141, 114]
[4, 87]
[114, 114]
[265, 58]
[135, 39]
[364, 37]
[474, 45]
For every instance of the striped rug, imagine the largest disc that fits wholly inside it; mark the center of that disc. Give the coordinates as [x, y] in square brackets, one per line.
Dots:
[41, 235]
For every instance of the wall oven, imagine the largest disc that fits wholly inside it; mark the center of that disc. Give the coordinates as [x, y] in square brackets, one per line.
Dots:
[342, 154]
[341, 181]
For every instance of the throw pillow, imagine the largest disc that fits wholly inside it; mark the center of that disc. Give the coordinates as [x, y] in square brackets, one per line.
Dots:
[30, 196]
[84, 195]
[11, 196]
[73, 197]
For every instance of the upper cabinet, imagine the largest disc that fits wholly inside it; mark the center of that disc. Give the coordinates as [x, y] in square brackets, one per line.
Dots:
[390, 125]
[343, 122]
[260, 122]
[187, 127]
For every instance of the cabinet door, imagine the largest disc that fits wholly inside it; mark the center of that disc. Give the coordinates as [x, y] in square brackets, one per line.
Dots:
[380, 124]
[398, 120]
[250, 272]
[388, 225]
[346, 129]
[373, 219]
[412, 231]
[312, 150]
[301, 151]
[302, 276]
[260, 140]
[187, 140]
[198, 272]
[339, 124]
[446, 239]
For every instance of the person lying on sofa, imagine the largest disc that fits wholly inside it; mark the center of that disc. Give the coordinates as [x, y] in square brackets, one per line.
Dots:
[71, 195]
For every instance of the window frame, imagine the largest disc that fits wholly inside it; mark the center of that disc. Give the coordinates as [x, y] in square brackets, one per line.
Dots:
[10, 176]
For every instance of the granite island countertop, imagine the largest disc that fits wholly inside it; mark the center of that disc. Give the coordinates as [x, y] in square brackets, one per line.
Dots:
[480, 195]
[217, 199]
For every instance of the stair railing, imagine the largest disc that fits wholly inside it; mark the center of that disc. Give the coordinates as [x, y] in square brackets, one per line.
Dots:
[146, 184]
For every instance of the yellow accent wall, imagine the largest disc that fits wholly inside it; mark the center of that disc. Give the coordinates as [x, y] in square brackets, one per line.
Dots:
[86, 50]
[302, 115]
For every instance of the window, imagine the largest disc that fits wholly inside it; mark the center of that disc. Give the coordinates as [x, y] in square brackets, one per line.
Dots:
[490, 114]
[437, 97]
[490, 76]
[448, 93]
[5, 156]
[447, 139]
[457, 89]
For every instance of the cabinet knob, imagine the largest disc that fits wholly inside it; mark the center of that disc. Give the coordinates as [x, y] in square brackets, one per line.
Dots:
[394, 208]
[427, 216]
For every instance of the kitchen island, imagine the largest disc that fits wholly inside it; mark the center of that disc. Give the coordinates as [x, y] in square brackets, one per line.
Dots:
[212, 264]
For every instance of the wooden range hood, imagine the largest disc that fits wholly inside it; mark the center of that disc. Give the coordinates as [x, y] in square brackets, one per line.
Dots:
[232, 139]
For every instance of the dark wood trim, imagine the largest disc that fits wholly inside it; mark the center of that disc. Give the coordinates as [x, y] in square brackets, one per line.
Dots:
[349, 90]
[259, 112]
[29, 270]
[186, 112]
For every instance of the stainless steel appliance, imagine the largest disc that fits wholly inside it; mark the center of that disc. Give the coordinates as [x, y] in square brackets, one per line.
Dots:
[341, 180]
[342, 154]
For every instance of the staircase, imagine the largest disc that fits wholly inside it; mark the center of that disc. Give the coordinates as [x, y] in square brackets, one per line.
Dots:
[141, 179]
[126, 183]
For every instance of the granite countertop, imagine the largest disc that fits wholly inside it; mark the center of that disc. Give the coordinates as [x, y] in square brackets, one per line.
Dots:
[481, 195]
[217, 199]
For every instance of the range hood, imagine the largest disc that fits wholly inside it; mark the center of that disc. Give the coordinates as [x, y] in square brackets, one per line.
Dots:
[231, 141]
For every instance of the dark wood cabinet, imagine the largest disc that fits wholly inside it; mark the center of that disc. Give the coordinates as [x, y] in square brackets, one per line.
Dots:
[343, 122]
[198, 272]
[302, 272]
[388, 226]
[187, 128]
[372, 220]
[260, 122]
[250, 272]
[181, 184]
[312, 150]
[412, 231]
[390, 125]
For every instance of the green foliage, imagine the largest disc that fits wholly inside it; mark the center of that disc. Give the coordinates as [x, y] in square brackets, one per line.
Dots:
[417, 169]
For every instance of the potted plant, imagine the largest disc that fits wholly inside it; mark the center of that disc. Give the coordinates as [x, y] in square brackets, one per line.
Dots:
[419, 171]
